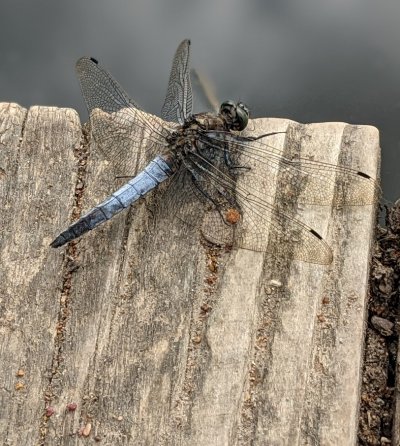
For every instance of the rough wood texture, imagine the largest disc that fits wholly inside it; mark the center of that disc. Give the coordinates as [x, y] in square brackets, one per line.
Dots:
[158, 338]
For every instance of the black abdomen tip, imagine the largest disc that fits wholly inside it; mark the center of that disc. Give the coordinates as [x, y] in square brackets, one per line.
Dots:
[59, 241]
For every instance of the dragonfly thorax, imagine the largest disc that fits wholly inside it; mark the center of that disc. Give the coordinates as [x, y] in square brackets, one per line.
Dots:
[187, 138]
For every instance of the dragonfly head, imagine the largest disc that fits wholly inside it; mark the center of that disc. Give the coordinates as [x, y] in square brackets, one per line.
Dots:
[235, 115]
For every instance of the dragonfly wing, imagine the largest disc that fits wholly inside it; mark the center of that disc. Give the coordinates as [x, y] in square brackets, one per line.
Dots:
[178, 102]
[180, 200]
[100, 89]
[260, 226]
[127, 136]
[309, 181]
[231, 212]
[204, 92]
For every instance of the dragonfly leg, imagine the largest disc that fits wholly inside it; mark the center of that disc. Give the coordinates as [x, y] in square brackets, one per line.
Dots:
[230, 164]
[196, 183]
[226, 197]
[227, 157]
[256, 138]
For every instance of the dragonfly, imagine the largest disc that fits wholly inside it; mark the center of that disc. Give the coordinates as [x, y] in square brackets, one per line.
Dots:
[207, 160]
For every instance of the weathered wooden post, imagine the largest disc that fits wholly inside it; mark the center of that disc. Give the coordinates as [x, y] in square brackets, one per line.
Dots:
[157, 337]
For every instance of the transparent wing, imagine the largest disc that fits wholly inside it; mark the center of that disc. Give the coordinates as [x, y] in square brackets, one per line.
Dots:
[178, 102]
[234, 212]
[180, 199]
[100, 89]
[127, 136]
[243, 218]
[205, 92]
[312, 181]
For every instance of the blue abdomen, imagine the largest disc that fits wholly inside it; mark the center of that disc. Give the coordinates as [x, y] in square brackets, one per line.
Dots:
[157, 171]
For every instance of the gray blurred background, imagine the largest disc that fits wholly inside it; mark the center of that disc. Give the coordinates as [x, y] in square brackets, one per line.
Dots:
[307, 60]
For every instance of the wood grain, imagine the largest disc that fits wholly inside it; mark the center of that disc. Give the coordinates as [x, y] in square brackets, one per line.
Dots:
[158, 337]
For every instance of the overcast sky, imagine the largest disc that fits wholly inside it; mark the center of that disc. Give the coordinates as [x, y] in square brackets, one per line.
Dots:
[307, 60]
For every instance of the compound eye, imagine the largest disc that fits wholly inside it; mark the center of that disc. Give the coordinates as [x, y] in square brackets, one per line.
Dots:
[242, 117]
[227, 106]
[244, 108]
